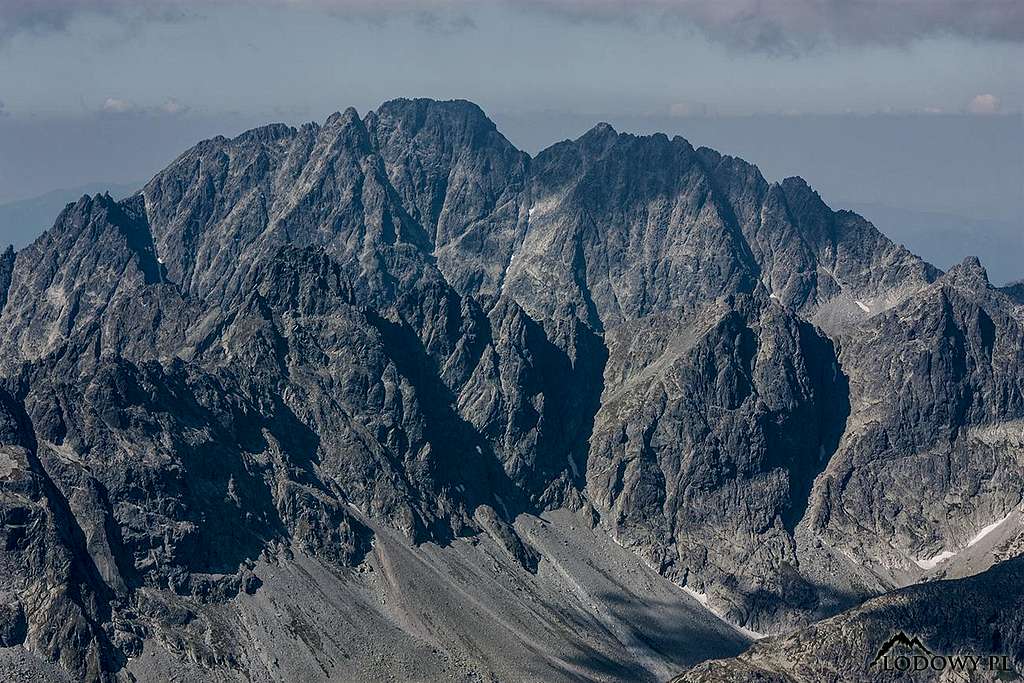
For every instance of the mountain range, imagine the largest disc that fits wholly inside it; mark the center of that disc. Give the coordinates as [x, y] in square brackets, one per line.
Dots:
[387, 398]
[24, 220]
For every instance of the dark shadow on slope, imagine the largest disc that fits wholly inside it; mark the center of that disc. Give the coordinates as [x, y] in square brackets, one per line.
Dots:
[795, 597]
[599, 666]
[130, 216]
[219, 488]
[6, 272]
[813, 433]
[461, 457]
[667, 631]
[571, 378]
[86, 589]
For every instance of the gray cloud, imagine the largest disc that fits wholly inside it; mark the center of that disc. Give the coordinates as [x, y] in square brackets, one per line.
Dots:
[49, 16]
[773, 26]
[794, 26]
[120, 107]
[116, 105]
[984, 104]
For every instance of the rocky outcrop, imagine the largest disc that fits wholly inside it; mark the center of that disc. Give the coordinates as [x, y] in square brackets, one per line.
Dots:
[6, 268]
[97, 256]
[704, 459]
[55, 602]
[295, 342]
[460, 180]
[931, 454]
[1015, 290]
[968, 629]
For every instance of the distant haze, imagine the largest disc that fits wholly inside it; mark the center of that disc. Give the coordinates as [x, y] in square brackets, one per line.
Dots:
[945, 186]
[22, 221]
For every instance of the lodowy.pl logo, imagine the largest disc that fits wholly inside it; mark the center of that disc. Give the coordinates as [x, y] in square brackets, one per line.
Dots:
[903, 654]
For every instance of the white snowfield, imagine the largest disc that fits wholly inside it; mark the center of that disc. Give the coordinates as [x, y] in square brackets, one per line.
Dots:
[932, 562]
[702, 598]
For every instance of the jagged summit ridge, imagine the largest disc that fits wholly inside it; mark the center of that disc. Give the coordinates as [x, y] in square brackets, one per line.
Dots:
[297, 345]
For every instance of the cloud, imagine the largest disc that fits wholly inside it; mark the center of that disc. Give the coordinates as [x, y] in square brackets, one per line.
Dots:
[687, 109]
[984, 104]
[3, 110]
[172, 107]
[52, 16]
[795, 26]
[772, 26]
[116, 106]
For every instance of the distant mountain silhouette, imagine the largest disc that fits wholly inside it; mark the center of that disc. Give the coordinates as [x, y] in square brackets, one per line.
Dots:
[23, 220]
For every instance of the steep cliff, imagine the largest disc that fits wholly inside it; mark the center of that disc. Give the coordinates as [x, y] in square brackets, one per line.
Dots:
[395, 341]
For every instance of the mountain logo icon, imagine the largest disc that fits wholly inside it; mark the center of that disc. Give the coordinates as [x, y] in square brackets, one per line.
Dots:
[902, 654]
[900, 638]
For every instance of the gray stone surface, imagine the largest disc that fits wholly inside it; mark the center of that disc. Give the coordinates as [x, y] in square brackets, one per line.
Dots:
[297, 342]
[980, 615]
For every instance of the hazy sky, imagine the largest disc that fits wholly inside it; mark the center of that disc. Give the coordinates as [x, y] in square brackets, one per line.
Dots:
[914, 104]
[308, 57]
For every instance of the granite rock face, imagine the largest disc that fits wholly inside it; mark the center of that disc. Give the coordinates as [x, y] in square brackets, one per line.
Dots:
[400, 322]
[6, 266]
[975, 617]
[936, 414]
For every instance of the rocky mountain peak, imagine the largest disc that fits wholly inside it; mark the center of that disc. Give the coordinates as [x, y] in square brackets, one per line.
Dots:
[596, 141]
[600, 131]
[456, 118]
[265, 134]
[968, 273]
[341, 119]
[308, 352]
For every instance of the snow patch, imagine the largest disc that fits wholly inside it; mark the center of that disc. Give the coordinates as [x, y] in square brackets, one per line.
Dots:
[989, 529]
[702, 598]
[946, 554]
[773, 295]
[159, 260]
[933, 561]
[863, 306]
[501, 502]
[531, 210]
[848, 555]
[572, 466]
[508, 267]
